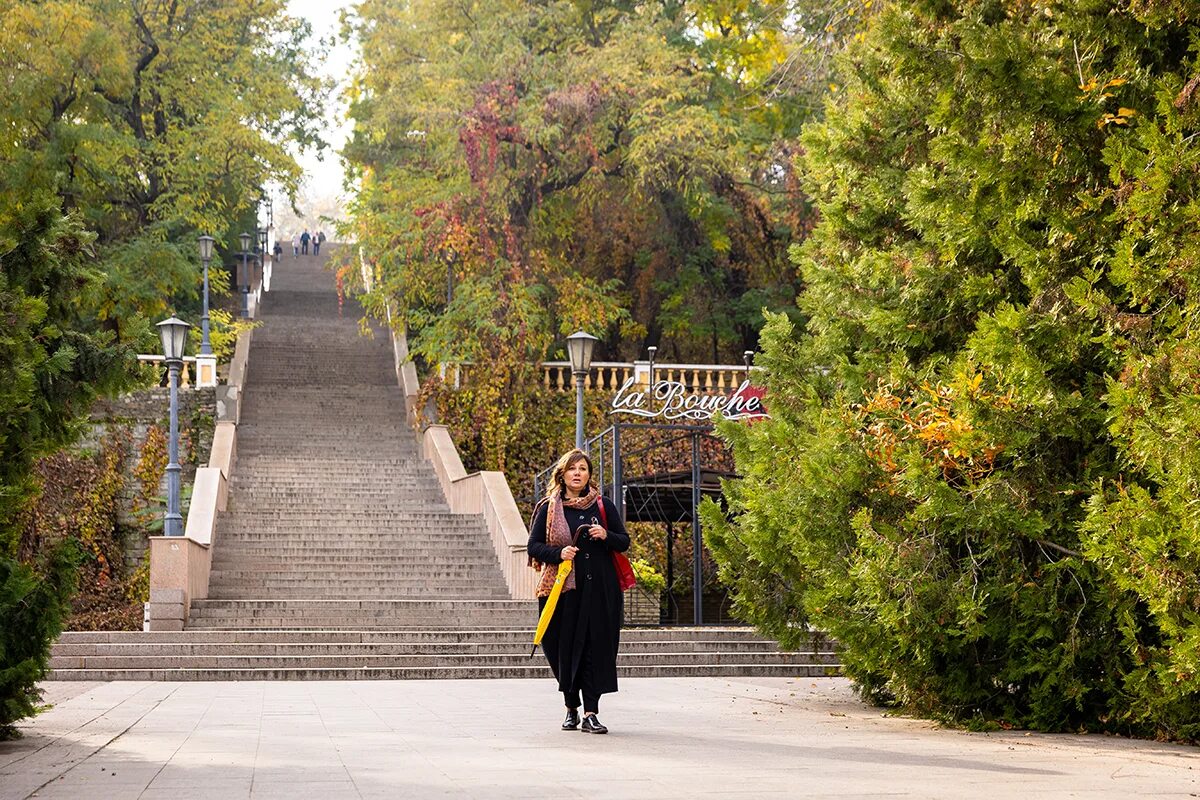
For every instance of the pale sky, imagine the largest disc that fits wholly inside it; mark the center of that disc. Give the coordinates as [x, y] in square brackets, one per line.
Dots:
[323, 178]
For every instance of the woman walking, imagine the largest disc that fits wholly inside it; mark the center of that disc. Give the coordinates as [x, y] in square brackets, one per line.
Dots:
[575, 523]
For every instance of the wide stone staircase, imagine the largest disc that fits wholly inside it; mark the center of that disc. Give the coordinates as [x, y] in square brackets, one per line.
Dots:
[338, 557]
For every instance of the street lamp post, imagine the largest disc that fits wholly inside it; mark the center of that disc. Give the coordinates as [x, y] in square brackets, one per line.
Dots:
[206, 251]
[579, 348]
[244, 277]
[263, 236]
[173, 332]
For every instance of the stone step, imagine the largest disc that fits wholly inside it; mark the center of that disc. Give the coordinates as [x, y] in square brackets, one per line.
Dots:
[443, 633]
[342, 570]
[395, 511]
[337, 586]
[312, 530]
[378, 560]
[364, 481]
[365, 534]
[367, 591]
[332, 501]
[402, 661]
[294, 537]
[354, 623]
[232, 551]
[536, 669]
[453, 579]
[517, 646]
[284, 607]
[314, 524]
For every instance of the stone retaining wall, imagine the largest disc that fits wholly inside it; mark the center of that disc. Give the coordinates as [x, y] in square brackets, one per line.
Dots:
[137, 413]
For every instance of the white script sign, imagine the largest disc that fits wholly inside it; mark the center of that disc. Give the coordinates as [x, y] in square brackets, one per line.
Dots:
[674, 402]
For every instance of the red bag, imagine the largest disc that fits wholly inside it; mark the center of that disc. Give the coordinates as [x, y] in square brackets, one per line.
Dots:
[625, 577]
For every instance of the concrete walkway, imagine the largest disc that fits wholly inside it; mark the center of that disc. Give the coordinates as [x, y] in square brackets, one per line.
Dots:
[677, 737]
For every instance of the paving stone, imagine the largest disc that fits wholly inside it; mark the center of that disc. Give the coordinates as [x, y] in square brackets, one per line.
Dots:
[670, 738]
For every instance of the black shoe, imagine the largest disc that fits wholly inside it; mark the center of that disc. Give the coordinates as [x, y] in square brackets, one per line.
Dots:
[572, 720]
[591, 724]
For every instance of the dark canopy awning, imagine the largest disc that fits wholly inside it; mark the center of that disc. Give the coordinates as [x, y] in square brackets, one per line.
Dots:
[667, 496]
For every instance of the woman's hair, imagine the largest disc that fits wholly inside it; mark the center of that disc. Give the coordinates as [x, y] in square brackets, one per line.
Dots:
[558, 483]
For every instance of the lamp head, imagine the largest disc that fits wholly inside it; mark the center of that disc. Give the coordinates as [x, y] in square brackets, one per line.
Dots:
[245, 240]
[173, 333]
[579, 348]
[206, 247]
[262, 238]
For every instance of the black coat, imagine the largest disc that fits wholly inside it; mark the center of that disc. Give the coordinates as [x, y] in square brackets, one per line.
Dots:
[589, 616]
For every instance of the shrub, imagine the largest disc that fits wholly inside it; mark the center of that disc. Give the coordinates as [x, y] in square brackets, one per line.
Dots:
[33, 605]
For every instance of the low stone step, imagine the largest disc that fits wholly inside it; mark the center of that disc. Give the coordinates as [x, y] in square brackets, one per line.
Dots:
[240, 558]
[359, 573]
[356, 592]
[284, 539]
[391, 558]
[533, 670]
[361, 540]
[516, 646]
[437, 633]
[396, 512]
[402, 661]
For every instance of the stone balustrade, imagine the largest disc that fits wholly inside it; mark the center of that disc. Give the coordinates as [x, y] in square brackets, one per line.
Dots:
[609, 376]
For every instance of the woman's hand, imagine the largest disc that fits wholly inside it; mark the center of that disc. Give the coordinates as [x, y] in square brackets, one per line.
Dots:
[597, 533]
[569, 552]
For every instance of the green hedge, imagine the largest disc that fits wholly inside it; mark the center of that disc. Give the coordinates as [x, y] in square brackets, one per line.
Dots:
[33, 606]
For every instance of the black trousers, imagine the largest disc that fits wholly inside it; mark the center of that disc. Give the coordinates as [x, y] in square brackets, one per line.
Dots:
[584, 680]
[591, 702]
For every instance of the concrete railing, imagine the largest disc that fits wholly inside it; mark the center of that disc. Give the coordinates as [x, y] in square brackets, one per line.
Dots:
[180, 566]
[485, 493]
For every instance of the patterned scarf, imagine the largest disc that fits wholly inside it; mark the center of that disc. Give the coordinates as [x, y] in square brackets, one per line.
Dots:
[558, 534]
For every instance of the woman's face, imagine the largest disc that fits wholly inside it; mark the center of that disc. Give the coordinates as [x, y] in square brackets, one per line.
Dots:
[577, 476]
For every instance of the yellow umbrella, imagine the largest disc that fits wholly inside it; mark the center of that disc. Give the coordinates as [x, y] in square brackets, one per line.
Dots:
[564, 569]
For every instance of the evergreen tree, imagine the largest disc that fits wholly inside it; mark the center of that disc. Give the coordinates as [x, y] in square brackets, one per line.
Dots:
[980, 468]
[54, 361]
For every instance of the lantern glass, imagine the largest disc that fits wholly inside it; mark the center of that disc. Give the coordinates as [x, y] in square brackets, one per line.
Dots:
[206, 247]
[579, 348]
[262, 239]
[245, 239]
[173, 333]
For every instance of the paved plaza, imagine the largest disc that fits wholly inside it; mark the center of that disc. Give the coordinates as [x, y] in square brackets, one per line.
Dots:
[676, 737]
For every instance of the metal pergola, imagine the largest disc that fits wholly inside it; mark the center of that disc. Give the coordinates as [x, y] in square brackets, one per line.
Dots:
[667, 496]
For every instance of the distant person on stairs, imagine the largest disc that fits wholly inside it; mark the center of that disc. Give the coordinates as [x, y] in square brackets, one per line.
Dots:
[304, 237]
[278, 251]
[574, 522]
[317, 244]
[295, 244]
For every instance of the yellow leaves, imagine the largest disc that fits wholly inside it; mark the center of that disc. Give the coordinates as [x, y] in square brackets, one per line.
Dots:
[1091, 85]
[933, 418]
[1122, 117]
[1093, 90]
